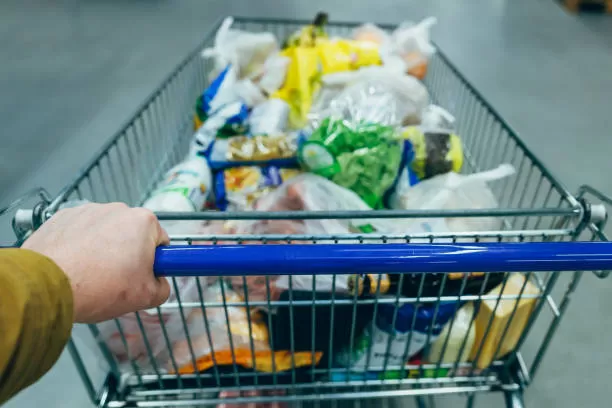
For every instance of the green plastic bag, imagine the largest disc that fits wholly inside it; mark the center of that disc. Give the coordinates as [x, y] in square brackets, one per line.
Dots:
[363, 157]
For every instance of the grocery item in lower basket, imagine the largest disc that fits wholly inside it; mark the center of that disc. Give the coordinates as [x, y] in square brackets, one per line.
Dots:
[397, 334]
[455, 343]
[236, 337]
[326, 328]
[424, 284]
[238, 187]
[505, 326]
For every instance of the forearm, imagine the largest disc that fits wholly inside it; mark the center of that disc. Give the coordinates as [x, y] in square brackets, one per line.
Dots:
[36, 316]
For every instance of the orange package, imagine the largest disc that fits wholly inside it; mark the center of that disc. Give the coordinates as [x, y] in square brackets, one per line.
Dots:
[232, 339]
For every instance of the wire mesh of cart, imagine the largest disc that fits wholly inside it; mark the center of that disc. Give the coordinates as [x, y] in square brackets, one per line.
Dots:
[473, 314]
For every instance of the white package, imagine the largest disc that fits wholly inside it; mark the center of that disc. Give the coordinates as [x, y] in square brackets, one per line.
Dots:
[247, 51]
[452, 191]
[408, 46]
[462, 333]
[373, 94]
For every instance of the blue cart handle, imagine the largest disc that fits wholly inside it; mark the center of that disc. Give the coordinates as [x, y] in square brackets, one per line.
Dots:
[215, 260]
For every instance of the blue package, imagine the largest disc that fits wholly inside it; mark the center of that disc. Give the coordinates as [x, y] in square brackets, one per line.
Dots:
[241, 186]
[237, 151]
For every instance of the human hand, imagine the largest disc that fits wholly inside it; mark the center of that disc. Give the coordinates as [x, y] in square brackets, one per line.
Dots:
[107, 251]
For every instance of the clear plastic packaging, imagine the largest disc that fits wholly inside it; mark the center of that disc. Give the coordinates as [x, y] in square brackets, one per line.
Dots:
[408, 48]
[374, 95]
[452, 191]
[230, 335]
[309, 192]
[141, 337]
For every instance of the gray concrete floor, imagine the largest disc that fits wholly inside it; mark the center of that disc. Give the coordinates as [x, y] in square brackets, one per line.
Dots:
[71, 71]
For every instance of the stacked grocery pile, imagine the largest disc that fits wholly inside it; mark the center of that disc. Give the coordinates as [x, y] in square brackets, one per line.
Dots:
[324, 124]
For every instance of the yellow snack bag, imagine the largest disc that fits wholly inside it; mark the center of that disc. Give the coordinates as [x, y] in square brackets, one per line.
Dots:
[302, 82]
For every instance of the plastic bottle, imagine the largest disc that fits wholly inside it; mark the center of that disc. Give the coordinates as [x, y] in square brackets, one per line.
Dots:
[184, 188]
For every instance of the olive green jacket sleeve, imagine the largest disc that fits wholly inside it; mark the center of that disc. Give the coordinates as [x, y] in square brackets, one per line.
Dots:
[36, 315]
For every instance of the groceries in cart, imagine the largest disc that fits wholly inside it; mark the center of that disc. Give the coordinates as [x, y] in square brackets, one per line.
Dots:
[328, 125]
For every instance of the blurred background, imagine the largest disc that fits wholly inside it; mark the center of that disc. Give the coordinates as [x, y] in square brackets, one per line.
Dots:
[71, 72]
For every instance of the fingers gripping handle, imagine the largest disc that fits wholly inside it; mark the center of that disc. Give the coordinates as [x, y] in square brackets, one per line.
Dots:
[215, 260]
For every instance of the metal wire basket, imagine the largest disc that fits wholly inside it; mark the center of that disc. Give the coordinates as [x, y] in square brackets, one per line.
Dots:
[533, 207]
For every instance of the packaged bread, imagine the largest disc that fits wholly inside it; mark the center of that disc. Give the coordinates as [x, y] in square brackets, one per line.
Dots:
[501, 317]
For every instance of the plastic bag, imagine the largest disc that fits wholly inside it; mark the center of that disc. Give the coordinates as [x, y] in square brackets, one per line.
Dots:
[309, 192]
[274, 73]
[248, 347]
[269, 118]
[408, 48]
[138, 342]
[373, 94]
[247, 51]
[362, 156]
[452, 191]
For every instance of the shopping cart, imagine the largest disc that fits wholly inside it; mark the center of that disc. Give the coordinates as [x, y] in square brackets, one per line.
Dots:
[534, 209]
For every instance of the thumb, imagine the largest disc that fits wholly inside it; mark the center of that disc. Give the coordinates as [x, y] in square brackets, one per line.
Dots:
[162, 292]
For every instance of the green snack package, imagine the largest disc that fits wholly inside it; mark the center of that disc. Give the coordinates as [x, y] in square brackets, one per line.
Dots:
[363, 157]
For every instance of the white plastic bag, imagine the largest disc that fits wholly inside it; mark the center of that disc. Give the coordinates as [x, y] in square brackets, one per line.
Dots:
[373, 94]
[406, 48]
[411, 42]
[247, 51]
[274, 72]
[452, 191]
[310, 192]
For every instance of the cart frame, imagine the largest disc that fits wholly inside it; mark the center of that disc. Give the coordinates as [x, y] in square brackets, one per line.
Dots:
[537, 208]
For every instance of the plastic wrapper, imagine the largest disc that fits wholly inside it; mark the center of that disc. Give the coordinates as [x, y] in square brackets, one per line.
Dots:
[373, 94]
[238, 187]
[407, 48]
[279, 150]
[249, 344]
[415, 284]
[227, 121]
[386, 341]
[274, 73]
[301, 84]
[185, 188]
[310, 192]
[223, 92]
[247, 51]
[363, 157]
[452, 191]
[430, 153]
[269, 118]
[133, 336]
[459, 339]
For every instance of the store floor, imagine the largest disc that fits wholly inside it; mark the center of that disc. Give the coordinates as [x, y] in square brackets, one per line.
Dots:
[73, 71]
